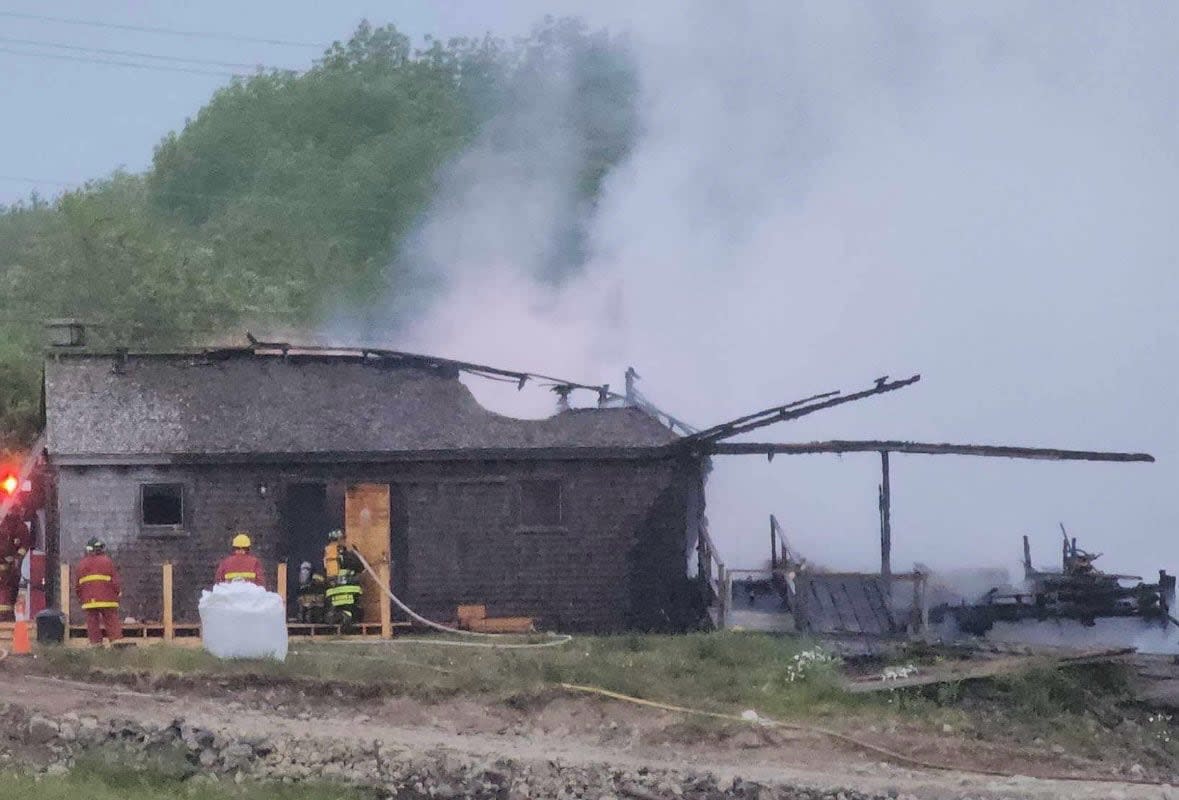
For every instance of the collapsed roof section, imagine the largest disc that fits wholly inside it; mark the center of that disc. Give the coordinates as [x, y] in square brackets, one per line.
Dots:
[316, 403]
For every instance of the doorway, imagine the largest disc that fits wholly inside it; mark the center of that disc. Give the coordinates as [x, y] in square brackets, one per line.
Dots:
[309, 511]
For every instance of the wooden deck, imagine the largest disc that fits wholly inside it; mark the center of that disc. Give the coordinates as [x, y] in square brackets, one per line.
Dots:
[189, 634]
[845, 603]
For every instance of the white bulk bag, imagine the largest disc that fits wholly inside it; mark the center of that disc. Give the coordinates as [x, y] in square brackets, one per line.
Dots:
[243, 620]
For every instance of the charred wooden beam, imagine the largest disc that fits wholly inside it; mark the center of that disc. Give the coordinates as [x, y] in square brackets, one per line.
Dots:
[885, 519]
[922, 448]
[794, 410]
[717, 430]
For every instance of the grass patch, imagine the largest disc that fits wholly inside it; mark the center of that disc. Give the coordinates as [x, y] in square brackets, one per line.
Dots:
[715, 671]
[724, 672]
[97, 780]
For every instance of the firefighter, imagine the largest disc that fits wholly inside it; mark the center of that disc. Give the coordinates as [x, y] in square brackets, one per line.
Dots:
[311, 594]
[342, 566]
[9, 577]
[98, 590]
[240, 565]
[12, 549]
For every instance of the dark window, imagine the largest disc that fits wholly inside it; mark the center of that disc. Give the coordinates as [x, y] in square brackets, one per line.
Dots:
[540, 503]
[163, 504]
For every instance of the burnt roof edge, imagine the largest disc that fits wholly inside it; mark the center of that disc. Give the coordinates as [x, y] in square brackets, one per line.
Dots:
[627, 453]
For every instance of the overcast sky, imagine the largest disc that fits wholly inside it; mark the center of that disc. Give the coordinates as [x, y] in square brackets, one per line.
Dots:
[70, 121]
[825, 193]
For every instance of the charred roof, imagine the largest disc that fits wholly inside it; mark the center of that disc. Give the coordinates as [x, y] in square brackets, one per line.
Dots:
[313, 403]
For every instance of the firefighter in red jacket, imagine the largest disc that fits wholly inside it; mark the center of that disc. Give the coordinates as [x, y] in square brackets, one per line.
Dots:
[11, 540]
[240, 565]
[9, 578]
[98, 590]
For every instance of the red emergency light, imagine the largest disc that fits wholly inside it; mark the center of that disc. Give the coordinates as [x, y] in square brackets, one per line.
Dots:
[9, 484]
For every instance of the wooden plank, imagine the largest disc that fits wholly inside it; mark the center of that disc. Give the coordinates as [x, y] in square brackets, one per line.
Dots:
[841, 602]
[64, 590]
[921, 448]
[878, 591]
[977, 670]
[858, 597]
[828, 596]
[366, 521]
[169, 623]
[385, 603]
[835, 620]
[822, 616]
[503, 625]
[281, 583]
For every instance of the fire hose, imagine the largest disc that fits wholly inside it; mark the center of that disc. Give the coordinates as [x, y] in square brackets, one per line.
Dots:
[554, 639]
[890, 755]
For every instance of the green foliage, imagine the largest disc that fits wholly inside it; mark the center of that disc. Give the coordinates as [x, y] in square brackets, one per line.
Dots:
[109, 780]
[288, 195]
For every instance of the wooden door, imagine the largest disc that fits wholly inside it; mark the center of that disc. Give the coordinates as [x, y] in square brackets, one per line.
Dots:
[366, 522]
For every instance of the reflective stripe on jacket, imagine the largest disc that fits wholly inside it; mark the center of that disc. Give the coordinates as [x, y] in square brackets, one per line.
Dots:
[97, 584]
[240, 567]
[345, 595]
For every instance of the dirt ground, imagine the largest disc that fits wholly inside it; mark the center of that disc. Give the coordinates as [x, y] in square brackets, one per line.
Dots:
[581, 731]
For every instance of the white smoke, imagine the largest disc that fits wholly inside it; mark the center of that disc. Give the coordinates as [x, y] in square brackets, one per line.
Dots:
[826, 193]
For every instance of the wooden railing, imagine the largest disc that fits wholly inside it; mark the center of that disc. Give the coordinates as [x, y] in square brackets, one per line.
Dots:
[169, 629]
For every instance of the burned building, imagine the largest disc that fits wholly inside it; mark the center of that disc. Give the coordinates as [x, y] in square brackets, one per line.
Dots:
[586, 520]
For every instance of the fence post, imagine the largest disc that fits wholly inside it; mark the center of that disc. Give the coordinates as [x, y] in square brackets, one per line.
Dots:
[924, 602]
[281, 586]
[63, 597]
[386, 607]
[169, 625]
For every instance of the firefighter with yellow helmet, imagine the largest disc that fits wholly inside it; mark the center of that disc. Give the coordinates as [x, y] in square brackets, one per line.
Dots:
[241, 565]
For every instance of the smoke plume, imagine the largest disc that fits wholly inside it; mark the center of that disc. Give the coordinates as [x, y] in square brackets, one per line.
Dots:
[820, 194]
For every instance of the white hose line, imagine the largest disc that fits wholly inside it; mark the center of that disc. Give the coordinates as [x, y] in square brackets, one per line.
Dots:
[555, 639]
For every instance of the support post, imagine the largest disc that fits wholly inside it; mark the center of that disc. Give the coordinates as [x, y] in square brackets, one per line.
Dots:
[885, 521]
[924, 602]
[169, 625]
[920, 615]
[281, 586]
[773, 545]
[726, 593]
[63, 597]
[386, 606]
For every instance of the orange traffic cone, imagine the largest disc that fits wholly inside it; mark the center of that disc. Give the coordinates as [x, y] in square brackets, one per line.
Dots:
[20, 630]
[20, 638]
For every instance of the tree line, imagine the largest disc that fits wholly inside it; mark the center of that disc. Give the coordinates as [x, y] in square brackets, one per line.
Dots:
[286, 196]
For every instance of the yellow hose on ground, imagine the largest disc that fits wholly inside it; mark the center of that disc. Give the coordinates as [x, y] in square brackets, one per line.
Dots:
[891, 755]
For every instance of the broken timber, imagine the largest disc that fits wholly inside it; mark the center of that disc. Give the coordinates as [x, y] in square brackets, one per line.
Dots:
[921, 448]
[794, 410]
[980, 670]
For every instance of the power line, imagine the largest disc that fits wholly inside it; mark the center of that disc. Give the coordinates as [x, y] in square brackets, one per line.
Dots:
[132, 53]
[229, 37]
[117, 63]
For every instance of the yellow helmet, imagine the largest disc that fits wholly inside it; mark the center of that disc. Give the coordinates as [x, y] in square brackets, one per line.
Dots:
[241, 542]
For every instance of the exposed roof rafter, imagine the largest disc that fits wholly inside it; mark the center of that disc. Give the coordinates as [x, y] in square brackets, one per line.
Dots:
[794, 410]
[921, 448]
